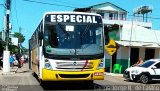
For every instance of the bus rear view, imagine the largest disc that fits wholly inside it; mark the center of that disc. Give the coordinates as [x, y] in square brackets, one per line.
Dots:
[71, 47]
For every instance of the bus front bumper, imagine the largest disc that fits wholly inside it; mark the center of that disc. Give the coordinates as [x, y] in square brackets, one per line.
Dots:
[52, 75]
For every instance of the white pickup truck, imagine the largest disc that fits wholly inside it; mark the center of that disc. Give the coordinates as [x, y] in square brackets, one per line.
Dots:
[146, 72]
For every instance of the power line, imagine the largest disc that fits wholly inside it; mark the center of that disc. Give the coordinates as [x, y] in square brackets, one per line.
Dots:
[16, 13]
[69, 3]
[50, 3]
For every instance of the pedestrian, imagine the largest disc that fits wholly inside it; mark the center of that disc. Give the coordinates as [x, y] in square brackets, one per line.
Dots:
[18, 56]
[1, 61]
[140, 61]
[26, 58]
[11, 58]
[22, 60]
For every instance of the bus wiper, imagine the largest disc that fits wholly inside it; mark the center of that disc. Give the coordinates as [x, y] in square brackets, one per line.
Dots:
[64, 31]
[84, 34]
[85, 31]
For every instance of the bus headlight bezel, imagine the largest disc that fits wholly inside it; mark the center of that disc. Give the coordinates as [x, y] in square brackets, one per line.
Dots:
[47, 64]
[101, 64]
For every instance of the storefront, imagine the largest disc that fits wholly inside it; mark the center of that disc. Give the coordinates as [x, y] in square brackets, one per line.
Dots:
[132, 45]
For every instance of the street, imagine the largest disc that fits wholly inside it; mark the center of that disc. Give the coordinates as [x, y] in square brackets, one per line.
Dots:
[23, 80]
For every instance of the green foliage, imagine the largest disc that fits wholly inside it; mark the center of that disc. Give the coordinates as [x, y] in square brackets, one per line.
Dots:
[24, 50]
[13, 49]
[20, 37]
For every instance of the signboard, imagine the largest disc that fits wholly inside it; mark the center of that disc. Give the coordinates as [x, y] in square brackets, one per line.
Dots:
[111, 48]
[73, 18]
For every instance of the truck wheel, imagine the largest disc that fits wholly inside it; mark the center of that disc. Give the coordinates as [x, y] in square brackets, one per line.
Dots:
[144, 78]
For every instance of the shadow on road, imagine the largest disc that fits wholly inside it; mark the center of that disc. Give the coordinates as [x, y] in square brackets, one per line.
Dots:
[154, 82]
[67, 85]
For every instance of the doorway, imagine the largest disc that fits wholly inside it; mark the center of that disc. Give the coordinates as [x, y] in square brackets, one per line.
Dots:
[149, 53]
[114, 58]
[134, 55]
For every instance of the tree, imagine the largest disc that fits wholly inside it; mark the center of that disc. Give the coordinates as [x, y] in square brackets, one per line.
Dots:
[20, 37]
[24, 50]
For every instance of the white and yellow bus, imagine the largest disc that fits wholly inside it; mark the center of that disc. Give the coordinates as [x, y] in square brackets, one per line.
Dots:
[68, 46]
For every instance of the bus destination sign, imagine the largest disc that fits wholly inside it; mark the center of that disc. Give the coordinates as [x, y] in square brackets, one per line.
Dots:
[73, 18]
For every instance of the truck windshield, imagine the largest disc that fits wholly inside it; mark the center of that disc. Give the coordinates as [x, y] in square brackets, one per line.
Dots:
[73, 39]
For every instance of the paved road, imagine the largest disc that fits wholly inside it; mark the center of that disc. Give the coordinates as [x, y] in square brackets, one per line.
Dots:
[22, 80]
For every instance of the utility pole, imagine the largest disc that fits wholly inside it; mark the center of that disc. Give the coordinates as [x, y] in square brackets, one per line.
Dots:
[8, 2]
[6, 53]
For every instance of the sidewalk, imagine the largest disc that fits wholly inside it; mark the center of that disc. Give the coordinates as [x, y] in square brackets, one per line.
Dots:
[114, 74]
[18, 77]
[16, 70]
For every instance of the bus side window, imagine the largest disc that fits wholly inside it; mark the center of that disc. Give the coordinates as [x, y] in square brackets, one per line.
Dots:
[40, 37]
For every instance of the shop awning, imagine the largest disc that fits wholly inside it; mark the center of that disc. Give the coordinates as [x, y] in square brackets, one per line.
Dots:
[138, 44]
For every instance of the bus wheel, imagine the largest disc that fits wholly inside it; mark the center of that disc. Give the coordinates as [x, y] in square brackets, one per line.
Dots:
[33, 73]
[42, 83]
[90, 83]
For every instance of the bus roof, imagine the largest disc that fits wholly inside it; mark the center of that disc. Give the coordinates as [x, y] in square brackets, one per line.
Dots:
[69, 12]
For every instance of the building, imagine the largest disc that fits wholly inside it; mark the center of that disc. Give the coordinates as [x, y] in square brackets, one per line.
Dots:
[134, 35]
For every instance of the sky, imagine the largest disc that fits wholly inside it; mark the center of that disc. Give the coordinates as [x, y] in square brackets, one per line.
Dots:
[28, 15]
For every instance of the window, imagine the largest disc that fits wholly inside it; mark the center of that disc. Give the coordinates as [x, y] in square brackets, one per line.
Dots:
[147, 64]
[158, 65]
[102, 14]
[110, 16]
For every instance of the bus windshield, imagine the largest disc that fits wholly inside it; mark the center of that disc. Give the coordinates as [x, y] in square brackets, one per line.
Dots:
[73, 39]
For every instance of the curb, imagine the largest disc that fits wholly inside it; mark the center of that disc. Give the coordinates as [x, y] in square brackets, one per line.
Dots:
[114, 74]
[12, 71]
[7, 73]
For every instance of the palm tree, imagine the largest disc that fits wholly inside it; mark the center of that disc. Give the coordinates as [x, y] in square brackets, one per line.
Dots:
[20, 37]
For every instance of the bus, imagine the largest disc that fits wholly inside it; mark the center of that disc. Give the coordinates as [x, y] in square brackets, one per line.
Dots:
[68, 46]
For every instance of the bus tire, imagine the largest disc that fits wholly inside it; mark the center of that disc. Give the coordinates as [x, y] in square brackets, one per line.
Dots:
[34, 74]
[89, 82]
[42, 83]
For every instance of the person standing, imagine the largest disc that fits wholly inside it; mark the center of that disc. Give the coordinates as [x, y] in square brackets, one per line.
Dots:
[18, 56]
[22, 60]
[11, 58]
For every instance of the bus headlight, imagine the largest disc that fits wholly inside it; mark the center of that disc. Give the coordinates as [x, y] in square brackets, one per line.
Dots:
[101, 64]
[47, 64]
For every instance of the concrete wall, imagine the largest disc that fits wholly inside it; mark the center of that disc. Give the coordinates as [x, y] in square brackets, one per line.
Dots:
[157, 53]
[142, 53]
[123, 53]
[140, 34]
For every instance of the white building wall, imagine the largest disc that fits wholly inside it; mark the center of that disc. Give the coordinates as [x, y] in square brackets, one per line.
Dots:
[157, 53]
[123, 53]
[14, 41]
[139, 33]
[142, 53]
[121, 22]
[106, 16]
